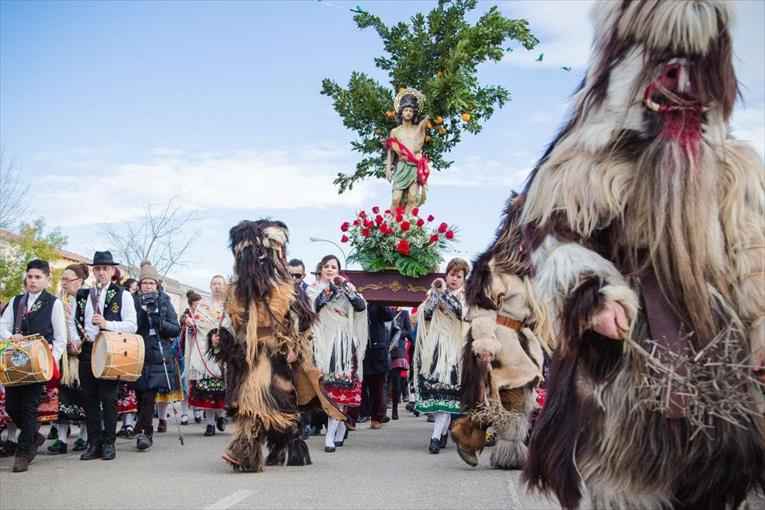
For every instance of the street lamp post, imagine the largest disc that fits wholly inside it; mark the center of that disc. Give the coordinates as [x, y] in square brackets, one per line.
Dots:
[320, 240]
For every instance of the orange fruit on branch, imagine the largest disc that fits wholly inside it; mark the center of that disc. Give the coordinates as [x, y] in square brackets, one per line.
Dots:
[442, 131]
[466, 117]
[439, 119]
[427, 138]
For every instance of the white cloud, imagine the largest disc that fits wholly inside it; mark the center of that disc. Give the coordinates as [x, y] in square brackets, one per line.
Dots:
[477, 171]
[248, 179]
[563, 28]
[749, 124]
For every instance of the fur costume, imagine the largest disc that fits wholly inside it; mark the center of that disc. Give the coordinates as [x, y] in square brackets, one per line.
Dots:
[266, 348]
[503, 315]
[644, 203]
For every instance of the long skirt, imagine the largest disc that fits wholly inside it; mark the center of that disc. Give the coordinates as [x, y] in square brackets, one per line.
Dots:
[344, 391]
[207, 393]
[126, 401]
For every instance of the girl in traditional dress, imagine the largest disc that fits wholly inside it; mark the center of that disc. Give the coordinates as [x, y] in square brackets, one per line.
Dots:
[339, 341]
[207, 390]
[127, 404]
[438, 349]
[70, 405]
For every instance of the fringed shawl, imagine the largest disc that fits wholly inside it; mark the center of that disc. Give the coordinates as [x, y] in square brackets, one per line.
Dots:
[443, 338]
[337, 333]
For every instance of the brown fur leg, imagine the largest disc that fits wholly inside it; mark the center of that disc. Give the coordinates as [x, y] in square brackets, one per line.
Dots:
[470, 438]
[511, 451]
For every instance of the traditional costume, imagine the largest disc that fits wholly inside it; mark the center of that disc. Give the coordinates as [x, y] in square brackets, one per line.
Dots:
[117, 307]
[644, 221]
[503, 318]
[207, 389]
[265, 347]
[28, 404]
[339, 342]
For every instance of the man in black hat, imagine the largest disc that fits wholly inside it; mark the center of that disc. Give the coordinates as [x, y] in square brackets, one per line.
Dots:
[103, 307]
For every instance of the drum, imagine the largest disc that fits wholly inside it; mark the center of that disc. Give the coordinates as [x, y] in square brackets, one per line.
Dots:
[118, 356]
[27, 361]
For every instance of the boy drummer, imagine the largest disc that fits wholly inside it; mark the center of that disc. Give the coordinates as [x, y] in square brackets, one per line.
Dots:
[34, 312]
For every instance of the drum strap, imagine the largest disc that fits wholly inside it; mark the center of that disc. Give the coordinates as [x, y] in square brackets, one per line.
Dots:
[21, 309]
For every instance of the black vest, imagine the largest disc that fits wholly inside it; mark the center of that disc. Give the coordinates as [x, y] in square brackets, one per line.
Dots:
[38, 321]
[112, 307]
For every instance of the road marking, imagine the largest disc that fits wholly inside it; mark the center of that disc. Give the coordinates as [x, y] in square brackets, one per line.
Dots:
[230, 501]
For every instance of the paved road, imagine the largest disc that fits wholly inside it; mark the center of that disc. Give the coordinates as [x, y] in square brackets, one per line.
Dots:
[386, 468]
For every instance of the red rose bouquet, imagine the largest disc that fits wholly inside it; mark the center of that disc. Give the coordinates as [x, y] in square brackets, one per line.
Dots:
[394, 239]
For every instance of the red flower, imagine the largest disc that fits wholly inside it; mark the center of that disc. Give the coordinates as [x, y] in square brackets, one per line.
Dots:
[414, 310]
[387, 211]
[449, 234]
[415, 210]
[431, 217]
[405, 226]
[433, 238]
[363, 214]
[378, 219]
[344, 239]
[344, 227]
[399, 218]
[365, 232]
[403, 247]
[420, 222]
[356, 223]
[443, 227]
[376, 210]
[369, 223]
[399, 210]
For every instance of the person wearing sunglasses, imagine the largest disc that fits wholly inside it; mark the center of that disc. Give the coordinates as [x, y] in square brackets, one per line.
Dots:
[297, 271]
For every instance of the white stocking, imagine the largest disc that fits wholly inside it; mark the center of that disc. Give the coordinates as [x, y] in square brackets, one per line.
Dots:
[220, 413]
[184, 407]
[83, 432]
[12, 429]
[162, 410]
[441, 425]
[128, 419]
[340, 432]
[329, 438]
[210, 415]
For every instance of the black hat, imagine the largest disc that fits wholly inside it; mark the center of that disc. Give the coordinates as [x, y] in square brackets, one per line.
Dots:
[104, 258]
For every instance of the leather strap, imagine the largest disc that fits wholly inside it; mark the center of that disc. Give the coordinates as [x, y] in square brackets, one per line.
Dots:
[509, 323]
[21, 309]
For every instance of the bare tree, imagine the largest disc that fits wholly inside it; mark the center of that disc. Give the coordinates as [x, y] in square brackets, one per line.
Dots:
[13, 194]
[162, 236]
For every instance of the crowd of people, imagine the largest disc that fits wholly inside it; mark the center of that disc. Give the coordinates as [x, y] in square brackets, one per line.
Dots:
[370, 358]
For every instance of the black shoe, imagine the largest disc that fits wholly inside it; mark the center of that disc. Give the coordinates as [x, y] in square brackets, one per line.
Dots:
[21, 464]
[416, 414]
[394, 414]
[210, 430]
[142, 441]
[410, 407]
[184, 419]
[197, 417]
[329, 449]
[434, 445]
[220, 423]
[431, 418]
[442, 442]
[79, 445]
[386, 419]
[53, 433]
[109, 451]
[8, 449]
[162, 427]
[93, 452]
[57, 447]
[39, 441]
[363, 419]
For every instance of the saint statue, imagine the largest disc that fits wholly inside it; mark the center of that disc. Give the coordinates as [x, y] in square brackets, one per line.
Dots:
[409, 177]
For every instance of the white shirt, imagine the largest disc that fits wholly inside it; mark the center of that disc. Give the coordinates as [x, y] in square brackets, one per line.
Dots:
[128, 324]
[57, 320]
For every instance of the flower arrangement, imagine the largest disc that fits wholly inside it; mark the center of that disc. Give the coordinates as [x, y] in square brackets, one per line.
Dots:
[408, 242]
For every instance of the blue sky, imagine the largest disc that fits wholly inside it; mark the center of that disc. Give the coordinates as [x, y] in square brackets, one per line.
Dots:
[119, 103]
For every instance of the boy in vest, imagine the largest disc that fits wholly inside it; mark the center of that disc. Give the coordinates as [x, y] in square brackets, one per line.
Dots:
[102, 307]
[34, 312]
